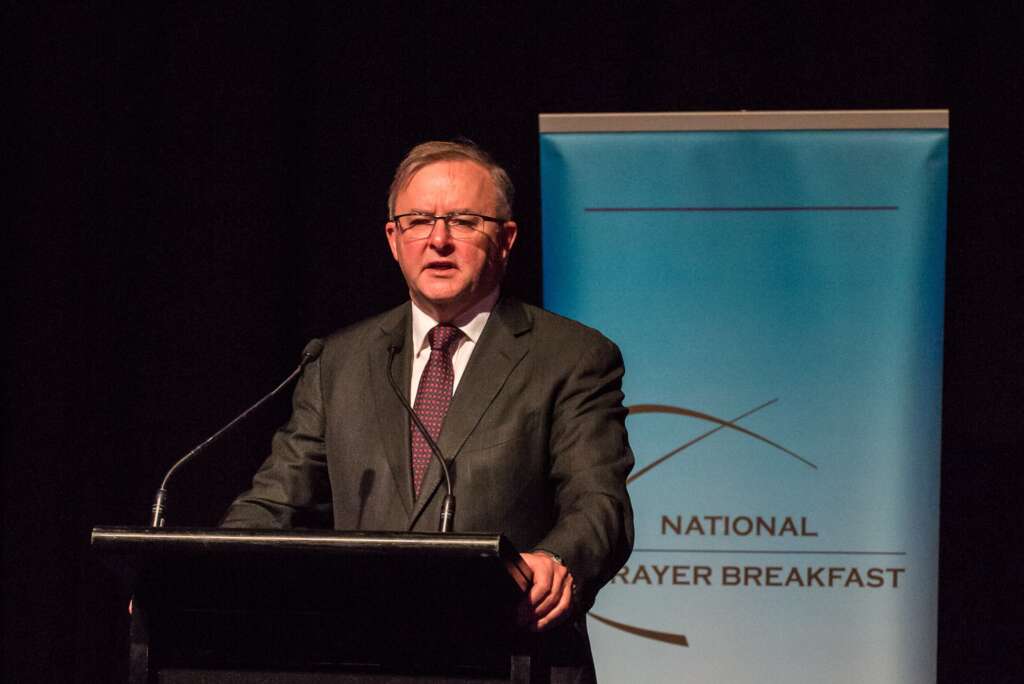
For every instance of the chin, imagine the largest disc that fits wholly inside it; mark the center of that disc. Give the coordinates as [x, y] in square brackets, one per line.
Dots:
[444, 293]
[442, 299]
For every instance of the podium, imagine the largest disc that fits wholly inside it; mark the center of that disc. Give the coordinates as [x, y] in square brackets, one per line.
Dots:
[216, 606]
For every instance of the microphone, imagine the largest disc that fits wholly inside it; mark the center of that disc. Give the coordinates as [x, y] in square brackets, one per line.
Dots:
[448, 504]
[309, 354]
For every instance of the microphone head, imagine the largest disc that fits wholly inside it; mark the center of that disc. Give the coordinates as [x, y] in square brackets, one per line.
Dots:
[312, 350]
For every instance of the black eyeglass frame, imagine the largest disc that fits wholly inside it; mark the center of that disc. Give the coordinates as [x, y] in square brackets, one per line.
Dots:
[445, 218]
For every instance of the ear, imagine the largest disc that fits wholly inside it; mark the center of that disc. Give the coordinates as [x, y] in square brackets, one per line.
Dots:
[507, 238]
[392, 232]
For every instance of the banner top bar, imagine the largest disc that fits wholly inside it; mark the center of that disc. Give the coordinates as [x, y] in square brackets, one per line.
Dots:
[613, 122]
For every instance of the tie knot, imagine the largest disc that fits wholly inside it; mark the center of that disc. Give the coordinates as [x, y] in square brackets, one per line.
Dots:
[441, 337]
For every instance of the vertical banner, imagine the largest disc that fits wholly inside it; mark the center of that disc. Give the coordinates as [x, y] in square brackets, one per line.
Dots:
[775, 282]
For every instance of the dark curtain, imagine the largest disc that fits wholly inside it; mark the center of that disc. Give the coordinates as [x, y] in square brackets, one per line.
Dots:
[196, 189]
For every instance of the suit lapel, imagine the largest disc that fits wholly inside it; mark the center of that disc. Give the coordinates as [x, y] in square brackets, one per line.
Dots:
[501, 347]
[392, 419]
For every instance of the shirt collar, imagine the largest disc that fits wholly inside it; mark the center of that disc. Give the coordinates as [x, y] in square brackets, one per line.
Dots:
[471, 322]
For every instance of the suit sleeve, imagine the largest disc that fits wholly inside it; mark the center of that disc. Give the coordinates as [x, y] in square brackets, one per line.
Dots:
[291, 488]
[590, 459]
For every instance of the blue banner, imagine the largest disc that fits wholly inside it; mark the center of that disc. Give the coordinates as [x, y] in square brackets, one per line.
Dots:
[778, 298]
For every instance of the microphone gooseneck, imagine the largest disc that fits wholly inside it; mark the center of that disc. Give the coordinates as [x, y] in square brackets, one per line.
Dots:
[448, 504]
[309, 354]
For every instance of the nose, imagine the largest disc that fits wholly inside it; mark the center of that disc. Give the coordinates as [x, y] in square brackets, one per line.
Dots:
[440, 236]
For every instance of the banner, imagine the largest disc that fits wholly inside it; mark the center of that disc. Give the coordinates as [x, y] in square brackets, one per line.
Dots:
[775, 283]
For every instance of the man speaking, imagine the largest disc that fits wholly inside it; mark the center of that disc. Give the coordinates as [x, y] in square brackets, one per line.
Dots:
[526, 406]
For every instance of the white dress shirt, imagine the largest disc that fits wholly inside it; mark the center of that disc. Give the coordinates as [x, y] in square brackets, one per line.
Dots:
[471, 323]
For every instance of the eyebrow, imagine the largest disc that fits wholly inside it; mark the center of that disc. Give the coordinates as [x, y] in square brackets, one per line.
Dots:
[460, 210]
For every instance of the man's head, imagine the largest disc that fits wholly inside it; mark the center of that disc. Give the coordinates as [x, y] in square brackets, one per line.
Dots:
[450, 265]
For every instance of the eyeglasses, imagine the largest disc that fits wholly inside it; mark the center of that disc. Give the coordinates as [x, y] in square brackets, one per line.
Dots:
[462, 225]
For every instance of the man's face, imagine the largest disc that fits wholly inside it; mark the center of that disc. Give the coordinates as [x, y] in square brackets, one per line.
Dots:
[447, 276]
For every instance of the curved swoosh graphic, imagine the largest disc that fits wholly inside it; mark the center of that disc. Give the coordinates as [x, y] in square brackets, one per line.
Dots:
[722, 424]
[666, 637]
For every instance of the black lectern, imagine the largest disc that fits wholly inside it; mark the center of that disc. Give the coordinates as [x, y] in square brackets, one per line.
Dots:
[216, 605]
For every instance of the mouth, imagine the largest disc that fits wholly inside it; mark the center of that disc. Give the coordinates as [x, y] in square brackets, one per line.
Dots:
[439, 266]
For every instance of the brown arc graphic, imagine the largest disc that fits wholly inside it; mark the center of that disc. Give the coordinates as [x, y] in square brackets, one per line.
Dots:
[668, 637]
[722, 424]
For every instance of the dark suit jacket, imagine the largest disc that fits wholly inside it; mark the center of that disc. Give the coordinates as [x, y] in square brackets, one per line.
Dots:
[535, 435]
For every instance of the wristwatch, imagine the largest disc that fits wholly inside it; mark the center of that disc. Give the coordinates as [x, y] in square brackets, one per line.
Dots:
[553, 556]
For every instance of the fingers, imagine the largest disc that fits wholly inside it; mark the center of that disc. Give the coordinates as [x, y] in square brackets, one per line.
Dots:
[544, 601]
[550, 596]
[560, 610]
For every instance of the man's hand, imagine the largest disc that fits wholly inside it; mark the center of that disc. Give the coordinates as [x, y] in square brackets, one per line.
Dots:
[550, 598]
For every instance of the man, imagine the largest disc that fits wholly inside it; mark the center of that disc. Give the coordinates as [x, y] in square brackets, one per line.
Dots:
[524, 404]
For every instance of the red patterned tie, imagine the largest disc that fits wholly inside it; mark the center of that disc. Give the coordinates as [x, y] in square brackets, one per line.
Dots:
[433, 397]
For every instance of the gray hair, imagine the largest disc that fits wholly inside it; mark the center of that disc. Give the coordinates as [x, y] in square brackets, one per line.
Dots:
[436, 151]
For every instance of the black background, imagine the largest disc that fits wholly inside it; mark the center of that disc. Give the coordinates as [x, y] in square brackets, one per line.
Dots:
[198, 189]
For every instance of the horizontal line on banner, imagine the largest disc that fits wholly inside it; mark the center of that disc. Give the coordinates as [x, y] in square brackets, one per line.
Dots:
[771, 552]
[728, 209]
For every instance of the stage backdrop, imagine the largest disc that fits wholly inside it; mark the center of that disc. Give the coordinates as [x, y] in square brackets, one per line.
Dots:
[775, 282]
